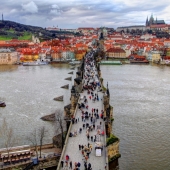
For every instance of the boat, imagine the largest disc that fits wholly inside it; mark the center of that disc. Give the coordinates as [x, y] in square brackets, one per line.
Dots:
[110, 63]
[139, 61]
[35, 63]
[2, 104]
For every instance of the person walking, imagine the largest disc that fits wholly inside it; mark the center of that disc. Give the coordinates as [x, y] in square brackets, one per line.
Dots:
[92, 138]
[66, 164]
[62, 163]
[79, 147]
[70, 165]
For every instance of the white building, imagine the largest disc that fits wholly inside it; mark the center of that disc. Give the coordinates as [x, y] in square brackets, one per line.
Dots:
[8, 57]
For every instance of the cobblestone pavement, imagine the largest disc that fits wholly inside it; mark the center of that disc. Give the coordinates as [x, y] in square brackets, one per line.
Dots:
[72, 148]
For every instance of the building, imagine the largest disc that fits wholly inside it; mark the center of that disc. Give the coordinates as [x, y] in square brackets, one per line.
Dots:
[130, 28]
[151, 24]
[152, 21]
[8, 57]
[116, 53]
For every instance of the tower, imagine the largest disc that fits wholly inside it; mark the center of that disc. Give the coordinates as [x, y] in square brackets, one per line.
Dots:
[147, 22]
[101, 40]
[151, 20]
[2, 17]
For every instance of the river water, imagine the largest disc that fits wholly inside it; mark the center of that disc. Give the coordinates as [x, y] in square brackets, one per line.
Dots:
[28, 92]
[139, 95]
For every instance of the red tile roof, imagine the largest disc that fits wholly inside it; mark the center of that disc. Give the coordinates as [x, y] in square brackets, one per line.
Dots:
[116, 50]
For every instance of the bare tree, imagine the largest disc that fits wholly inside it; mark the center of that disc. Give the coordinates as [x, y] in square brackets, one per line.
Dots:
[60, 125]
[34, 140]
[37, 138]
[8, 136]
[41, 133]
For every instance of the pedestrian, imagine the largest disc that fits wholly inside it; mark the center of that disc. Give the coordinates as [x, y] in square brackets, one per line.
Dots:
[66, 164]
[92, 138]
[70, 165]
[78, 164]
[79, 147]
[62, 163]
[86, 158]
[88, 136]
[85, 165]
[82, 152]
[88, 154]
[89, 164]
[88, 144]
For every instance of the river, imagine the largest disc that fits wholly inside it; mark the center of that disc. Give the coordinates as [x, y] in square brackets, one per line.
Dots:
[28, 92]
[139, 95]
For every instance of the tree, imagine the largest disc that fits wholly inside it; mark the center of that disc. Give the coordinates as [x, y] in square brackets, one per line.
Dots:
[7, 135]
[36, 138]
[33, 139]
[60, 126]
[42, 133]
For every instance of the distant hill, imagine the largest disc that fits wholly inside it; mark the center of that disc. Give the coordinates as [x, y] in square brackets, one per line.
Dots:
[14, 30]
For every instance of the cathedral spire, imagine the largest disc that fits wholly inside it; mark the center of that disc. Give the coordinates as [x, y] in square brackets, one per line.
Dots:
[147, 22]
[151, 20]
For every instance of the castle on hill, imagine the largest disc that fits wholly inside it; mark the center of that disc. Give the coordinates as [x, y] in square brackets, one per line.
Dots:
[152, 21]
[151, 24]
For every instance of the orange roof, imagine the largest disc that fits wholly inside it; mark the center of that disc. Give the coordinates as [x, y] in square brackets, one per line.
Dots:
[116, 50]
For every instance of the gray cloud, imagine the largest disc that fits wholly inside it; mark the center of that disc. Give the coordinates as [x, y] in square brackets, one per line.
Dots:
[78, 13]
[30, 7]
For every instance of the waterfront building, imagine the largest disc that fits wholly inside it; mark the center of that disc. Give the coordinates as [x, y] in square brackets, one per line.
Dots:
[56, 53]
[7, 56]
[153, 56]
[28, 54]
[79, 54]
[116, 53]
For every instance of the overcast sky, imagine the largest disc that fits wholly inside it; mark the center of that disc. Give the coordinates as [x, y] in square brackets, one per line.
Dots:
[84, 13]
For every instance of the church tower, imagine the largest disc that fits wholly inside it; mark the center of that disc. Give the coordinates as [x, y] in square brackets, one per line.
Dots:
[2, 17]
[101, 40]
[151, 20]
[147, 22]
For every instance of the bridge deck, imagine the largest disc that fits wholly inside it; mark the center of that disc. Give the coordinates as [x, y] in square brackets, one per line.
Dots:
[72, 148]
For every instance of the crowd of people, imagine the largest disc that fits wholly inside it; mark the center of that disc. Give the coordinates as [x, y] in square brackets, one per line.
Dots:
[90, 117]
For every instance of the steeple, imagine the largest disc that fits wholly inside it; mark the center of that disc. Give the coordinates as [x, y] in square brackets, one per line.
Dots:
[151, 20]
[2, 17]
[147, 23]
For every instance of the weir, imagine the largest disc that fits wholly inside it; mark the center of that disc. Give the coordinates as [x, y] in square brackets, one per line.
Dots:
[88, 129]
